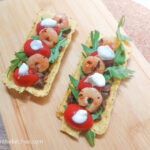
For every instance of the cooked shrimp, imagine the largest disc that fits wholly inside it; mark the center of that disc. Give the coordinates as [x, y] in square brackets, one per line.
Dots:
[38, 63]
[49, 36]
[90, 96]
[93, 64]
[112, 42]
[62, 20]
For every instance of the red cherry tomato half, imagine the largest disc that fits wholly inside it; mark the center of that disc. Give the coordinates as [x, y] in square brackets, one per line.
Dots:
[57, 29]
[39, 27]
[95, 53]
[83, 84]
[25, 80]
[70, 111]
[45, 51]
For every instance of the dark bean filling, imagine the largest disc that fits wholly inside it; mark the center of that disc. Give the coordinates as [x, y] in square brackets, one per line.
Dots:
[71, 99]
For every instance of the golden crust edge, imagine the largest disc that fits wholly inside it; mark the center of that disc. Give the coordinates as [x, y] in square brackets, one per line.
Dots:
[55, 66]
[101, 126]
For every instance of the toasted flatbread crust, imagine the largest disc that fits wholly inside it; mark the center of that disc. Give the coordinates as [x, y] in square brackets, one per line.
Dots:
[101, 126]
[8, 81]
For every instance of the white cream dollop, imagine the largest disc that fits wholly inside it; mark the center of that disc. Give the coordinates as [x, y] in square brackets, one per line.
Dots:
[96, 79]
[48, 22]
[105, 52]
[36, 45]
[80, 116]
[23, 69]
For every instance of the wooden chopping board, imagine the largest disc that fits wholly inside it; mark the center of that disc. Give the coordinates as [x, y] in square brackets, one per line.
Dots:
[27, 118]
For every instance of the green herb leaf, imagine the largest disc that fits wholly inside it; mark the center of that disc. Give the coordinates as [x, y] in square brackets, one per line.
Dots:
[65, 106]
[95, 39]
[20, 55]
[90, 135]
[98, 113]
[87, 49]
[84, 55]
[55, 50]
[65, 29]
[60, 36]
[14, 64]
[120, 55]
[119, 35]
[42, 18]
[81, 71]
[35, 37]
[15, 61]
[117, 72]
[74, 81]
[74, 92]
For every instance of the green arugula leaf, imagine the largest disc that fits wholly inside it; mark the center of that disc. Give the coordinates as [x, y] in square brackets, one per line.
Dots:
[98, 113]
[65, 106]
[81, 71]
[35, 37]
[119, 35]
[90, 135]
[87, 49]
[95, 39]
[84, 55]
[65, 29]
[55, 50]
[60, 36]
[42, 18]
[74, 92]
[117, 72]
[20, 55]
[14, 64]
[120, 55]
[74, 81]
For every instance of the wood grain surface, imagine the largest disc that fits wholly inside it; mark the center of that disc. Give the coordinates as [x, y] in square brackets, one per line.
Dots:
[27, 118]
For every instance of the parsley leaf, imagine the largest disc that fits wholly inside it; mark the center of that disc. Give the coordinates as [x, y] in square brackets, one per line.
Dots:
[120, 54]
[35, 37]
[74, 92]
[55, 50]
[90, 135]
[117, 72]
[95, 116]
[119, 35]
[20, 55]
[74, 81]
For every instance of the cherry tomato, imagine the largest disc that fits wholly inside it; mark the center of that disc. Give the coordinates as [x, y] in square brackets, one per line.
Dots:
[39, 27]
[25, 80]
[107, 62]
[94, 53]
[83, 84]
[70, 111]
[45, 51]
[57, 29]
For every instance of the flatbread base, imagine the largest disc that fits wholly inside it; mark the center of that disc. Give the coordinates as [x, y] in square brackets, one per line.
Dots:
[8, 81]
[101, 126]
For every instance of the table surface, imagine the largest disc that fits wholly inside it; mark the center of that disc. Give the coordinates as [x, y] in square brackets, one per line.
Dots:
[137, 17]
